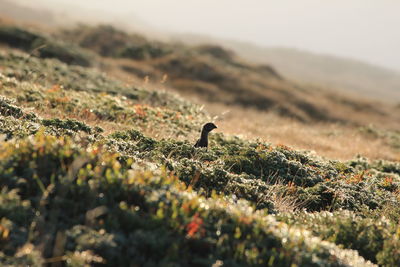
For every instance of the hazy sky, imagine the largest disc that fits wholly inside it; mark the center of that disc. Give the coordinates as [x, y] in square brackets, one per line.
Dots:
[363, 29]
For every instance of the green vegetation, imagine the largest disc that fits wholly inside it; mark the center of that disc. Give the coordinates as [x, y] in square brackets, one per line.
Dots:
[101, 210]
[95, 172]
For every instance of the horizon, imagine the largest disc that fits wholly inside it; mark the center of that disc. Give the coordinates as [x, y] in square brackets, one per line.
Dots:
[364, 31]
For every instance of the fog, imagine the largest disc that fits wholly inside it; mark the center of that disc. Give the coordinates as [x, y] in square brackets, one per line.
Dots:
[361, 29]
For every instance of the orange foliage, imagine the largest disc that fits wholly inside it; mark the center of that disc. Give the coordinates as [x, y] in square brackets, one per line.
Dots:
[388, 181]
[64, 99]
[54, 89]
[195, 226]
[357, 178]
[140, 111]
[283, 146]
[246, 220]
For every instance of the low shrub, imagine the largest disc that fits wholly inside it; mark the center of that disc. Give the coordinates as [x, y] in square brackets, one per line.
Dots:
[142, 217]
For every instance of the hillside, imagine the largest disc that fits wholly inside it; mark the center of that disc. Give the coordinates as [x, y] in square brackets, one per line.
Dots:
[215, 74]
[98, 171]
[330, 72]
[334, 72]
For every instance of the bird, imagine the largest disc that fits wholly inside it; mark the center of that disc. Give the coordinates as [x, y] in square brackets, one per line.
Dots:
[203, 141]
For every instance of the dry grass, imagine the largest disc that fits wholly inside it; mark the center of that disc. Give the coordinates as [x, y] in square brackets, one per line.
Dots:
[283, 196]
[330, 140]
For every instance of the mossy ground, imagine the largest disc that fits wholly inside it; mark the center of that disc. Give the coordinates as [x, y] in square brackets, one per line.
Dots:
[95, 172]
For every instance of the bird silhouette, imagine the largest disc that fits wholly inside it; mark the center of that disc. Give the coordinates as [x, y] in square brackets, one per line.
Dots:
[203, 141]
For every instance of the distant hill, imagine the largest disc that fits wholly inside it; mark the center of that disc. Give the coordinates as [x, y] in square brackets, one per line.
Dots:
[331, 72]
[347, 74]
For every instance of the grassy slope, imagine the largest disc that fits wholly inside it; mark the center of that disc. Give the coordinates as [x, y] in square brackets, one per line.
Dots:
[97, 172]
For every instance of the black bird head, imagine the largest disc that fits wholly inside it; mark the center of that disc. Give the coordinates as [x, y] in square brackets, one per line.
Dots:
[203, 141]
[208, 127]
